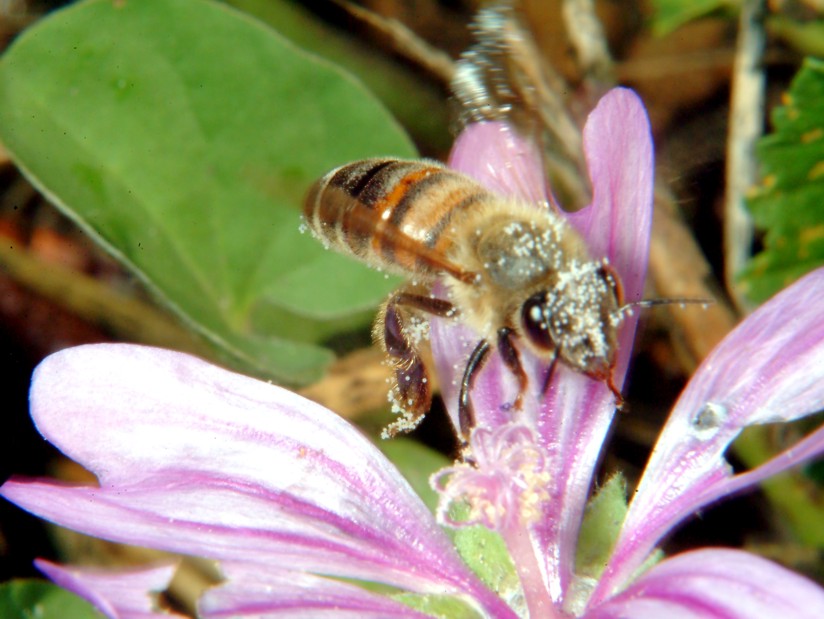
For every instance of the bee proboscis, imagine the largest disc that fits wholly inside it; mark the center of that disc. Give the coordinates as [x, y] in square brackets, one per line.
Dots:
[513, 272]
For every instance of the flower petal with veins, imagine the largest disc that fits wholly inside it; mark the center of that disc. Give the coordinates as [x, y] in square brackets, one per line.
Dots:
[197, 460]
[716, 584]
[575, 416]
[770, 368]
[262, 592]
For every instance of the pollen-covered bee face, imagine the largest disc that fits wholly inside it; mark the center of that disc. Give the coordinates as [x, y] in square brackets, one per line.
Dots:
[577, 319]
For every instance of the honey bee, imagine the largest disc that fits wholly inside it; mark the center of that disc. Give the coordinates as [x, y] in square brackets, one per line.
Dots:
[513, 272]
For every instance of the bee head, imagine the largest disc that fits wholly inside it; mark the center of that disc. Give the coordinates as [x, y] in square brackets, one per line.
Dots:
[576, 319]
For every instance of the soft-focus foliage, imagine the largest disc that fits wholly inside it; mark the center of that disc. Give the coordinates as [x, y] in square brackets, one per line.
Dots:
[670, 14]
[182, 135]
[27, 599]
[789, 204]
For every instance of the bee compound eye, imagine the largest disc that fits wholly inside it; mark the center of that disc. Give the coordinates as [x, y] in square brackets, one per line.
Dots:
[534, 322]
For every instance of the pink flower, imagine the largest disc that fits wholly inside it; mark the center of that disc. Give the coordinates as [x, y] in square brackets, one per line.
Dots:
[297, 506]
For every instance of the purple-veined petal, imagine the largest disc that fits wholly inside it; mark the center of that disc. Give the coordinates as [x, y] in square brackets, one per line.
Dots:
[259, 592]
[501, 160]
[619, 155]
[495, 388]
[616, 225]
[574, 418]
[125, 594]
[769, 369]
[716, 584]
[198, 460]
[577, 412]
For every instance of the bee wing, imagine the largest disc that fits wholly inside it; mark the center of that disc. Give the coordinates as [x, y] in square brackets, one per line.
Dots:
[501, 79]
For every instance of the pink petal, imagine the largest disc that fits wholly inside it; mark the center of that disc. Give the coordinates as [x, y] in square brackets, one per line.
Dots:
[197, 460]
[260, 592]
[501, 160]
[619, 155]
[716, 584]
[770, 368]
[577, 411]
[126, 594]
[616, 225]
[575, 416]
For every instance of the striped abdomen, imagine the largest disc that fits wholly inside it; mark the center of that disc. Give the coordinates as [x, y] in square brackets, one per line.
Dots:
[393, 214]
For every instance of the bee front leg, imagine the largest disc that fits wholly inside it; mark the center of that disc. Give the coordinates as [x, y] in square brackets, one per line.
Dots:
[411, 391]
[476, 362]
[466, 414]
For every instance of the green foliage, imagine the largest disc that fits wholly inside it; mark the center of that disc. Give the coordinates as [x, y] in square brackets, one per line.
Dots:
[805, 37]
[604, 516]
[789, 204]
[441, 606]
[37, 599]
[485, 552]
[182, 136]
[671, 14]
[416, 102]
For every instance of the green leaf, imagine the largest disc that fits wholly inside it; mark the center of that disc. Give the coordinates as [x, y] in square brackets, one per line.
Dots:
[416, 102]
[182, 135]
[37, 599]
[602, 522]
[789, 203]
[672, 14]
[485, 552]
[441, 606]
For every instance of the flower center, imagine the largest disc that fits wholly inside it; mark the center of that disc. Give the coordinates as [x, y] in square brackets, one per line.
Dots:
[502, 483]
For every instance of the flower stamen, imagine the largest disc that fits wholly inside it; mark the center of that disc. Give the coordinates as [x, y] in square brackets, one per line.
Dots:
[502, 484]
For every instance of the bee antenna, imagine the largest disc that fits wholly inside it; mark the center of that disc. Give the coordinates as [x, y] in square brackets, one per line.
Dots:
[628, 307]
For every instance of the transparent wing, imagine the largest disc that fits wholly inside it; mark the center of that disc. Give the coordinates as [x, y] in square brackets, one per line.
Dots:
[502, 79]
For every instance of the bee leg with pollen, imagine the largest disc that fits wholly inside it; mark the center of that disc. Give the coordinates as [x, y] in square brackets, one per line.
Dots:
[411, 391]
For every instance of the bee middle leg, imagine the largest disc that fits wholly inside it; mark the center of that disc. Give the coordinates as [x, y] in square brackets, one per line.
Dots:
[411, 390]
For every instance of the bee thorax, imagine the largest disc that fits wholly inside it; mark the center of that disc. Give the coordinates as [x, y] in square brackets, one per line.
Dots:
[518, 253]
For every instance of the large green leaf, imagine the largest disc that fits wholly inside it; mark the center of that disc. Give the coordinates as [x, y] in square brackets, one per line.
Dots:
[789, 204]
[182, 135]
[36, 599]
[418, 103]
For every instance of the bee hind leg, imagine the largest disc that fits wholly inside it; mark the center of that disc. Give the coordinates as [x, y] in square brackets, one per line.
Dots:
[411, 390]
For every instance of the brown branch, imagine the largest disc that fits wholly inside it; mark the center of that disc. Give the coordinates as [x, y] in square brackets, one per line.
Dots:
[405, 42]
